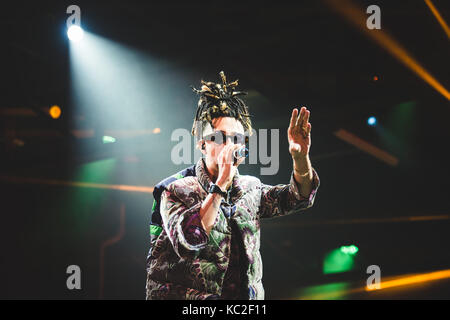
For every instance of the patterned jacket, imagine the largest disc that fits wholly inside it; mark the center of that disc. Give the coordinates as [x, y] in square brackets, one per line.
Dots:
[186, 263]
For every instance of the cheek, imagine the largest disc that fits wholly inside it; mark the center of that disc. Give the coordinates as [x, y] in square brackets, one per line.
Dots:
[215, 150]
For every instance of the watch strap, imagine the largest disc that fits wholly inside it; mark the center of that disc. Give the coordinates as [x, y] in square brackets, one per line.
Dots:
[214, 188]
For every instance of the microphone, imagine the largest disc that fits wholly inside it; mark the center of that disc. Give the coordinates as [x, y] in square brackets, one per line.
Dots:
[240, 153]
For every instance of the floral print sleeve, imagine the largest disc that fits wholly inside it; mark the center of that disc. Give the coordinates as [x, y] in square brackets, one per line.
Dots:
[187, 263]
[284, 199]
[183, 225]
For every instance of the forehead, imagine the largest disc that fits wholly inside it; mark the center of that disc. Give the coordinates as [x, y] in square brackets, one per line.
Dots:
[226, 124]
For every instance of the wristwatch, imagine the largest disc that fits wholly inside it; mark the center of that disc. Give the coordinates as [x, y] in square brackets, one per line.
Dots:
[214, 188]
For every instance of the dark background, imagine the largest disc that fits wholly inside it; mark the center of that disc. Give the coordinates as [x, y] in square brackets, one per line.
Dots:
[285, 55]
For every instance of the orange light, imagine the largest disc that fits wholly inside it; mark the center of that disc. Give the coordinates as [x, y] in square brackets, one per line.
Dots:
[413, 279]
[156, 130]
[366, 147]
[55, 112]
[375, 78]
[119, 187]
[356, 16]
[438, 17]
[393, 282]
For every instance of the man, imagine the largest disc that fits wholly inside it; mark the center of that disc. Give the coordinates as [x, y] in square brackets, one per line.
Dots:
[207, 243]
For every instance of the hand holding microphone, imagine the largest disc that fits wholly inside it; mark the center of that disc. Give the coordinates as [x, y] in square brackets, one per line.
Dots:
[228, 160]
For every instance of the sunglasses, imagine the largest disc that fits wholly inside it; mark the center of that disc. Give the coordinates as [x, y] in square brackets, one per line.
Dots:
[219, 137]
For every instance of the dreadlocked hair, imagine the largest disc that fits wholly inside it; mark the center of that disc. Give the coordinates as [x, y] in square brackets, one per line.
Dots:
[220, 100]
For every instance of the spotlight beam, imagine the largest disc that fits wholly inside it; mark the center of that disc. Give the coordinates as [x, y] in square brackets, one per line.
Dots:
[357, 17]
[78, 184]
[367, 147]
[438, 16]
[391, 282]
[413, 279]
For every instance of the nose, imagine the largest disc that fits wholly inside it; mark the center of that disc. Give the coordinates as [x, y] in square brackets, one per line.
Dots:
[229, 139]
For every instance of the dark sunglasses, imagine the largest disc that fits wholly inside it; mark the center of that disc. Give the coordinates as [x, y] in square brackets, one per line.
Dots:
[219, 137]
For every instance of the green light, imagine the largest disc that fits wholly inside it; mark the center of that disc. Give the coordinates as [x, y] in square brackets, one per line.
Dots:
[351, 250]
[402, 120]
[401, 124]
[84, 204]
[340, 260]
[96, 171]
[330, 291]
[108, 139]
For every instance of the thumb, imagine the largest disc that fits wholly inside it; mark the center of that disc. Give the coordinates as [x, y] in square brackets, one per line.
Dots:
[239, 161]
[295, 147]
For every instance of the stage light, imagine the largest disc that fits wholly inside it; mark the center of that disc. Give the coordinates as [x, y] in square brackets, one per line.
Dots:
[412, 279]
[438, 16]
[75, 33]
[367, 147]
[338, 261]
[108, 139]
[351, 250]
[372, 121]
[329, 291]
[357, 16]
[55, 112]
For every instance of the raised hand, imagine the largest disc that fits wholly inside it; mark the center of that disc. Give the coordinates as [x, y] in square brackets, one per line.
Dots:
[299, 133]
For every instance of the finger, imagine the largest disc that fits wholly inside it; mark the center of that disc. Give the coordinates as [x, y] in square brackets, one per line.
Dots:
[293, 118]
[220, 157]
[230, 150]
[308, 130]
[224, 154]
[305, 120]
[300, 117]
[240, 160]
[235, 147]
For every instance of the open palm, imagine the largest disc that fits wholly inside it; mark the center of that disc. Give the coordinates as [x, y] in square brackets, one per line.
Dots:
[299, 133]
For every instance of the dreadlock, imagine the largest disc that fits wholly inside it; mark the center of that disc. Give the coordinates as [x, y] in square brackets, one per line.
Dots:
[220, 100]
